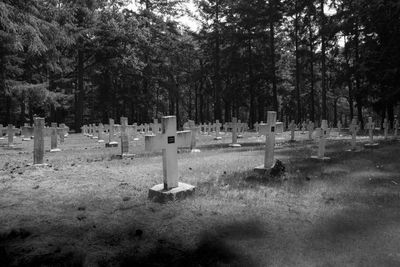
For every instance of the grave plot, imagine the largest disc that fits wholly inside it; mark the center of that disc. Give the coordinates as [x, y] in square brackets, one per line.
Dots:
[89, 209]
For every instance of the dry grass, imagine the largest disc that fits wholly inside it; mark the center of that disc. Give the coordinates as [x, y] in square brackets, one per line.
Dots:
[88, 208]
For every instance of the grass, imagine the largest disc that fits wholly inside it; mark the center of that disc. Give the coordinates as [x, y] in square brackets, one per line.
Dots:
[88, 208]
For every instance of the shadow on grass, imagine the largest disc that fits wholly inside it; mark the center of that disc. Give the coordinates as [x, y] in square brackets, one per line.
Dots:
[213, 249]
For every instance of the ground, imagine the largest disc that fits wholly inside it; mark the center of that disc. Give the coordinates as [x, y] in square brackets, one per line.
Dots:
[88, 207]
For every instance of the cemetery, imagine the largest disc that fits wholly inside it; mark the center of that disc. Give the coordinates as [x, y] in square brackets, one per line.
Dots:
[86, 205]
[199, 133]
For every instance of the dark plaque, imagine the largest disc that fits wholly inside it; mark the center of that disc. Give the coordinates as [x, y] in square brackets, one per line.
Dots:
[272, 129]
[171, 139]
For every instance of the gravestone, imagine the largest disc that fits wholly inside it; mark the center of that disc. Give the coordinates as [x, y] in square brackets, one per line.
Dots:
[386, 126]
[100, 133]
[234, 127]
[310, 129]
[134, 132]
[239, 132]
[38, 142]
[268, 130]
[124, 138]
[53, 138]
[322, 134]
[217, 129]
[10, 135]
[279, 127]
[169, 141]
[292, 128]
[111, 142]
[370, 126]
[191, 126]
[354, 128]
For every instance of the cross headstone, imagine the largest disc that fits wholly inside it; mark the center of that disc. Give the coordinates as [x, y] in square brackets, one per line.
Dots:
[370, 126]
[292, 128]
[111, 142]
[217, 129]
[169, 141]
[10, 134]
[310, 129]
[322, 134]
[354, 128]
[269, 131]
[386, 127]
[38, 141]
[124, 138]
[53, 138]
[234, 126]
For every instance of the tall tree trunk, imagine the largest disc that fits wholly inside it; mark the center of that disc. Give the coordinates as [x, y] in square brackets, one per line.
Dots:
[217, 71]
[323, 64]
[2, 81]
[251, 87]
[357, 76]
[272, 47]
[80, 94]
[312, 93]
[296, 32]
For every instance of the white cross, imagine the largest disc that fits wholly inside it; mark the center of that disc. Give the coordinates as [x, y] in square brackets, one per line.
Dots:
[269, 130]
[217, 126]
[386, 127]
[169, 141]
[292, 128]
[234, 126]
[370, 126]
[322, 134]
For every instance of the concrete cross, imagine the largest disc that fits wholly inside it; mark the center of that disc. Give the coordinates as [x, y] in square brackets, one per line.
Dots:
[169, 141]
[310, 129]
[217, 129]
[386, 127]
[53, 138]
[111, 142]
[38, 141]
[234, 126]
[11, 130]
[354, 128]
[370, 126]
[269, 131]
[292, 128]
[322, 134]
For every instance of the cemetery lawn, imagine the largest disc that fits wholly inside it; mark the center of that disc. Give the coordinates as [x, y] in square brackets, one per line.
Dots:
[90, 208]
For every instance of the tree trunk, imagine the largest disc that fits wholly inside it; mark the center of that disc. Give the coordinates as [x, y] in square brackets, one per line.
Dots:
[296, 31]
[323, 64]
[312, 93]
[217, 81]
[79, 94]
[272, 47]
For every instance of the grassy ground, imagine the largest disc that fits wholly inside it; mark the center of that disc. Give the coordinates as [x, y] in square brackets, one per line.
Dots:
[89, 208]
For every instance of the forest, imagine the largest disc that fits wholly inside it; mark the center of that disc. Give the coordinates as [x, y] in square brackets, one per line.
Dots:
[85, 61]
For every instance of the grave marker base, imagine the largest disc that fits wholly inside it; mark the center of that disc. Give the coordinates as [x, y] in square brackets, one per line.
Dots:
[371, 145]
[55, 150]
[323, 158]
[195, 150]
[262, 170]
[136, 139]
[235, 145]
[100, 141]
[112, 144]
[158, 194]
[95, 137]
[40, 165]
[26, 139]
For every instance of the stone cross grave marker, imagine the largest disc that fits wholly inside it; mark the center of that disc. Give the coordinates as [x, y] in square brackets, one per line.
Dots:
[191, 126]
[124, 138]
[269, 131]
[354, 128]
[111, 141]
[386, 126]
[53, 138]
[310, 129]
[322, 134]
[292, 128]
[90, 133]
[169, 141]
[10, 134]
[38, 142]
[234, 127]
[370, 126]
[217, 129]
